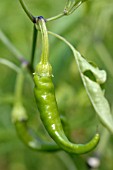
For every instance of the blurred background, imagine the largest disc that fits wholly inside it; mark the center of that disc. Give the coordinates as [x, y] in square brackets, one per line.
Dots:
[89, 29]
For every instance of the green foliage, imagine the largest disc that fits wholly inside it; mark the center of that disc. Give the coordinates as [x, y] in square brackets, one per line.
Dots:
[89, 28]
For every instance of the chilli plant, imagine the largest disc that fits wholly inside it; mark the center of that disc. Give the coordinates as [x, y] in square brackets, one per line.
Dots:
[44, 91]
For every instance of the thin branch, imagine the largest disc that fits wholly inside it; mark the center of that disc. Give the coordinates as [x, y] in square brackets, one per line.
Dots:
[55, 17]
[9, 64]
[69, 8]
[35, 31]
[14, 51]
[10, 46]
[31, 17]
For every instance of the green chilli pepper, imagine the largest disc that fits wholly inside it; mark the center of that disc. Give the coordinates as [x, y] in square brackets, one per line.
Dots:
[45, 97]
[20, 120]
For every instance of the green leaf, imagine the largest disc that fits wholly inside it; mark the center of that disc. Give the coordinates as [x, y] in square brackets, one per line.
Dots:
[95, 91]
[93, 78]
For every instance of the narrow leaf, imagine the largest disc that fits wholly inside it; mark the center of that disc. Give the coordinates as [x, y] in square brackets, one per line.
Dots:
[94, 89]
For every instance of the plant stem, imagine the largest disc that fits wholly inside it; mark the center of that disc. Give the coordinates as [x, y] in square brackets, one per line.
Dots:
[45, 43]
[10, 46]
[69, 9]
[9, 64]
[75, 6]
[63, 39]
[15, 52]
[55, 17]
[35, 31]
[19, 86]
[31, 17]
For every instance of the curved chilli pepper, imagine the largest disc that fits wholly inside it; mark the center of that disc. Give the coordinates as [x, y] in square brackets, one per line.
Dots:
[20, 120]
[47, 105]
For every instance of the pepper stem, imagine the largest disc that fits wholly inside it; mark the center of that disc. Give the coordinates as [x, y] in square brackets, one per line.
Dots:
[44, 68]
[45, 43]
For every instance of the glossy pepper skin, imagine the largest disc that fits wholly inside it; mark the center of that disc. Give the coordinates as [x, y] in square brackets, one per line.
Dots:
[26, 133]
[47, 106]
[21, 121]
[45, 97]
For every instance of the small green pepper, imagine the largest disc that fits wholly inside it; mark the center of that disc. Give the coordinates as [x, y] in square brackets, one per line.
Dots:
[46, 101]
[20, 120]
